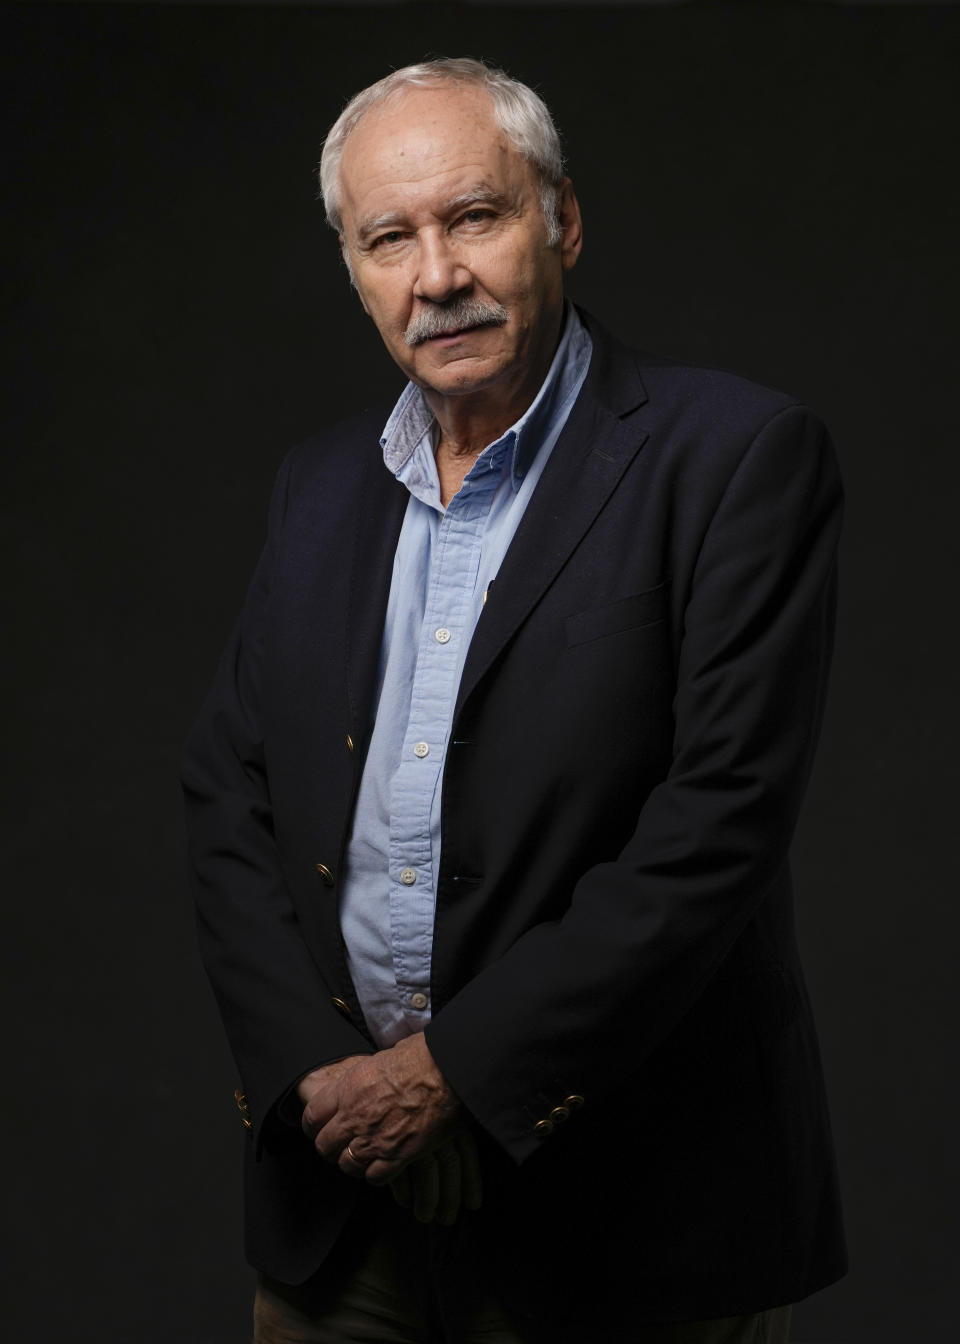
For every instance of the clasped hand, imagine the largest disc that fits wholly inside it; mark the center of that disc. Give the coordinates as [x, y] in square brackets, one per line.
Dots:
[391, 1118]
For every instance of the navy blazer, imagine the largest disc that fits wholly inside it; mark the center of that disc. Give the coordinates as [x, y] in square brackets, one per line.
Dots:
[617, 998]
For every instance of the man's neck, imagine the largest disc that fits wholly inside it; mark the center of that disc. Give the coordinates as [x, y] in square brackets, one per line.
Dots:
[466, 430]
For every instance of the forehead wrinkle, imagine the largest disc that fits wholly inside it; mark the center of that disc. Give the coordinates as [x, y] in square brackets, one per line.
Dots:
[424, 155]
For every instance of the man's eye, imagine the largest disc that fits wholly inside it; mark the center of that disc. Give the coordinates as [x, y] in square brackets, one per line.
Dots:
[393, 236]
[477, 216]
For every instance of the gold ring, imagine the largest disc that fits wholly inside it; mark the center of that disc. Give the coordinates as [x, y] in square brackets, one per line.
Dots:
[352, 1155]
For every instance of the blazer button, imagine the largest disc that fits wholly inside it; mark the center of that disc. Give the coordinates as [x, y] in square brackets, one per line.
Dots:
[243, 1108]
[349, 743]
[542, 1128]
[326, 877]
[559, 1114]
[574, 1102]
[342, 1008]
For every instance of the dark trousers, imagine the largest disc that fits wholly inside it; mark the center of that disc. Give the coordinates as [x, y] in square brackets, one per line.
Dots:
[391, 1280]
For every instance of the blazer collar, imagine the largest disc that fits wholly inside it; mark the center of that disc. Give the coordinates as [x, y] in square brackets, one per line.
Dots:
[614, 380]
[383, 500]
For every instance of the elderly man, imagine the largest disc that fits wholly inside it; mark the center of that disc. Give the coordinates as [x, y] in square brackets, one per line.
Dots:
[491, 799]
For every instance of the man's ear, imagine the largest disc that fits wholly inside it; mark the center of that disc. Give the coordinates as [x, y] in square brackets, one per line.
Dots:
[571, 225]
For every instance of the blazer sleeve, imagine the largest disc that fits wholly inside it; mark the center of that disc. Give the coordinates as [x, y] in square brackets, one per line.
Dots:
[275, 1006]
[577, 1004]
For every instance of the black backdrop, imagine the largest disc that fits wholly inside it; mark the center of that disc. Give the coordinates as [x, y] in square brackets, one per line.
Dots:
[770, 188]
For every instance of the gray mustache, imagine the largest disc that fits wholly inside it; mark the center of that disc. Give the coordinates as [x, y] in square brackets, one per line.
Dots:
[445, 318]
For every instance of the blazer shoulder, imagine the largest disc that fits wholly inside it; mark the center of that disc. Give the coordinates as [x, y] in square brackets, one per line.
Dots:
[709, 402]
[332, 477]
[718, 422]
[344, 447]
[716, 385]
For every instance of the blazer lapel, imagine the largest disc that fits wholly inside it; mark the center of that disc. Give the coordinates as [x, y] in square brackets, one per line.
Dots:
[383, 501]
[595, 448]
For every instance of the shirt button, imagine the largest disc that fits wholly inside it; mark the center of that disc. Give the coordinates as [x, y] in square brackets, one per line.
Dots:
[442, 636]
[408, 877]
[419, 1001]
[421, 749]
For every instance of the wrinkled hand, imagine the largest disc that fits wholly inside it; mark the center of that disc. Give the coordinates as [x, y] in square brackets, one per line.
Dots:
[442, 1182]
[389, 1108]
[326, 1074]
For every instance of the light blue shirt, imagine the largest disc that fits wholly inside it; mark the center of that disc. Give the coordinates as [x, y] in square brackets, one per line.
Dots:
[444, 563]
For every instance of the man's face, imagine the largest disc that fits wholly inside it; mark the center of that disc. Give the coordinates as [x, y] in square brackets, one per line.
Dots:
[439, 208]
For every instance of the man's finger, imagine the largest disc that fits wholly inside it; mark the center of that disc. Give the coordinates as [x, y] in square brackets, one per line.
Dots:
[331, 1138]
[352, 1163]
[319, 1110]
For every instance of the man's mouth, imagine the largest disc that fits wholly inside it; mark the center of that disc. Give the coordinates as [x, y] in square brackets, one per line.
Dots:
[458, 331]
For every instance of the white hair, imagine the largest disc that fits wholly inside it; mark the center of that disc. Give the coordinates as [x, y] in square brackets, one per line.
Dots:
[519, 112]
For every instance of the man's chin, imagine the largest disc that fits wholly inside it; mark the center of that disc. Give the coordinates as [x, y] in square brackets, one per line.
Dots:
[455, 372]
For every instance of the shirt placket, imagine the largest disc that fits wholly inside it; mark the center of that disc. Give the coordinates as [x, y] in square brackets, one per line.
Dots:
[447, 621]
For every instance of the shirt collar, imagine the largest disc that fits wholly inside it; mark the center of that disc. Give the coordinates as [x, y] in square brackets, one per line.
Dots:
[409, 436]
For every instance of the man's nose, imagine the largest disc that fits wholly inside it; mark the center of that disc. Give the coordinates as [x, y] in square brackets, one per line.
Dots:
[441, 272]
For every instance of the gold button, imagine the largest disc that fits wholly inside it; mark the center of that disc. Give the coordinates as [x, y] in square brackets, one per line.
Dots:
[326, 876]
[349, 742]
[573, 1103]
[559, 1114]
[342, 1008]
[243, 1108]
[543, 1128]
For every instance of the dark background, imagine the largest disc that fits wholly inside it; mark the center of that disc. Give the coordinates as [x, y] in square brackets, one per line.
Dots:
[766, 187]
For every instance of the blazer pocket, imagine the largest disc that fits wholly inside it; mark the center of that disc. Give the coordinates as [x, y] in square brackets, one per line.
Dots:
[628, 613]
